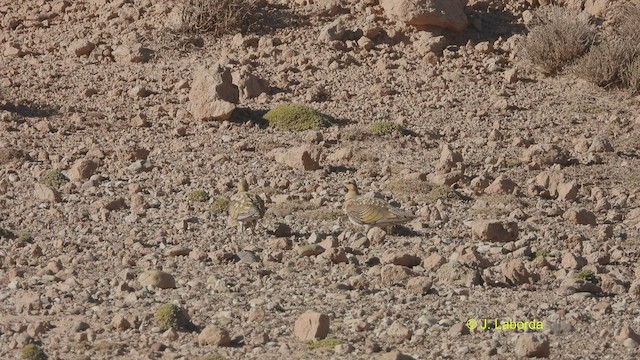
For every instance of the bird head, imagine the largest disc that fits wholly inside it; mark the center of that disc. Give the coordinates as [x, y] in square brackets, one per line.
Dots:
[351, 187]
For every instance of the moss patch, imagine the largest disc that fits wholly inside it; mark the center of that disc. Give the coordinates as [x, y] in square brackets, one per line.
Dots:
[32, 352]
[324, 343]
[54, 178]
[199, 196]
[541, 253]
[297, 117]
[171, 316]
[220, 205]
[384, 127]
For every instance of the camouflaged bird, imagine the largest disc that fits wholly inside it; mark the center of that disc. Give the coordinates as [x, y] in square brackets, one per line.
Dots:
[371, 212]
[245, 207]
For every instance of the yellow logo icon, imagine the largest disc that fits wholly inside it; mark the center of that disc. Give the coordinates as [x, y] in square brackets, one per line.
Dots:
[472, 324]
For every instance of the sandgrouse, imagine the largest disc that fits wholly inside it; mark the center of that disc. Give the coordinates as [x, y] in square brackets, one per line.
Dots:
[245, 207]
[371, 212]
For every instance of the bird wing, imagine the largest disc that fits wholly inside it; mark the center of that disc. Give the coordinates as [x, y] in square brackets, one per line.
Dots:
[258, 204]
[372, 211]
[369, 211]
[245, 206]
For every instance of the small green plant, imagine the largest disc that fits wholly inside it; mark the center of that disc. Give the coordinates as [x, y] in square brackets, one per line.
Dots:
[54, 178]
[199, 196]
[297, 117]
[384, 127]
[220, 205]
[171, 316]
[541, 253]
[557, 36]
[587, 275]
[7, 234]
[216, 17]
[324, 343]
[32, 352]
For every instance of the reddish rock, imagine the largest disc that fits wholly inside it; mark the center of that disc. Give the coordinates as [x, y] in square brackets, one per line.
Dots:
[298, 158]
[501, 185]
[311, 326]
[82, 169]
[213, 335]
[213, 95]
[495, 231]
[448, 14]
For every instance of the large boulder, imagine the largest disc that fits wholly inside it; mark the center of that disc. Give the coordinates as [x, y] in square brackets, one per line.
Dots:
[213, 95]
[448, 14]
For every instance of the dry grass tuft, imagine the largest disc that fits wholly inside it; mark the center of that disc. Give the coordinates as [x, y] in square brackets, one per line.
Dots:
[630, 76]
[557, 36]
[615, 59]
[605, 64]
[410, 186]
[217, 17]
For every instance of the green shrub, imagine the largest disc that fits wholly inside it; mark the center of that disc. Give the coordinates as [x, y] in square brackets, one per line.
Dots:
[384, 127]
[54, 178]
[220, 205]
[199, 196]
[541, 253]
[324, 343]
[217, 17]
[297, 117]
[556, 37]
[171, 316]
[585, 275]
[32, 352]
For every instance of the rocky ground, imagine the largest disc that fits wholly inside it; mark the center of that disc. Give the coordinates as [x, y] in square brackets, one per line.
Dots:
[526, 188]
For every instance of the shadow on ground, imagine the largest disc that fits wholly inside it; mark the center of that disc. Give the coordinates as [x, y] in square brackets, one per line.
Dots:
[30, 109]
